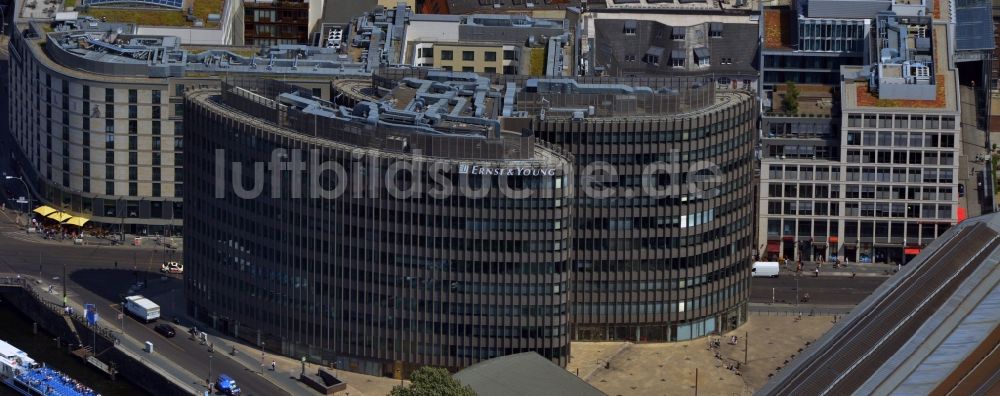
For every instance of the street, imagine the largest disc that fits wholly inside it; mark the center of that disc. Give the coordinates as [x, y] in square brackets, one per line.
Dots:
[824, 290]
[92, 278]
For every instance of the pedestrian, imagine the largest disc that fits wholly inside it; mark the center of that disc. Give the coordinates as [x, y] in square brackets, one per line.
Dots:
[274, 365]
[817, 272]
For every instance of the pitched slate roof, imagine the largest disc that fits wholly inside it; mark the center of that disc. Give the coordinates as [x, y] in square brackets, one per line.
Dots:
[738, 43]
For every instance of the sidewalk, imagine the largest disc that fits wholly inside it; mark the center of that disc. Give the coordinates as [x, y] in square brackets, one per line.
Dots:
[147, 242]
[848, 270]
[287, 370]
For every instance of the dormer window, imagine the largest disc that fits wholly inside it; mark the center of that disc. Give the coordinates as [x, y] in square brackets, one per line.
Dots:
[701, 55]
[631, 27]
[677, 33]
[677, 58]
[653, 55]
[715, 29]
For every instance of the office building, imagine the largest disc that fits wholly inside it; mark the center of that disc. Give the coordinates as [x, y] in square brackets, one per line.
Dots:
[376, 278]
[639, 256]
[100, 121]
[882, 185]
[495, 44]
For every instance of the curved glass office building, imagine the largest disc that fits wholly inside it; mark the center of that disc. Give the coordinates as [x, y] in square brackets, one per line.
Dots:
[408, 231]
[664, 205]
[642, 233]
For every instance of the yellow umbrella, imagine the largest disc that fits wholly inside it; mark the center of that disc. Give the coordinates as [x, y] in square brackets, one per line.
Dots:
[44, 210]
[77, 221]
[59, 216]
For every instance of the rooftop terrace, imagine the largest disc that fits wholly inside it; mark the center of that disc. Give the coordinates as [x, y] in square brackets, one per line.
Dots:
[905, 77]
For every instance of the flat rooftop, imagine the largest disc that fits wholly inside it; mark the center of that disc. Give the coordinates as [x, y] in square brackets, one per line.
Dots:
[684, 5]
[142, 14]
[856, 92]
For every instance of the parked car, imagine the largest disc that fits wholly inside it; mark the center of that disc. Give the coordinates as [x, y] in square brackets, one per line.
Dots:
[172, 267]
[165, 330]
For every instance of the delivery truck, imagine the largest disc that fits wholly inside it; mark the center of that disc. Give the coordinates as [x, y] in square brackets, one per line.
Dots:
[768, 269]
[142, 308]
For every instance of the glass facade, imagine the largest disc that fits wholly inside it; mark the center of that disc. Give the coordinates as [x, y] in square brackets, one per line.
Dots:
[382, 283]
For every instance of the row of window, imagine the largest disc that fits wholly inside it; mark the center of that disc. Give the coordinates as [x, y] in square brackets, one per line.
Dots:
[488, 56]
[109, 93]
[658, 308]
[660, 242]
[901, 157]
[900, 139]
[819, 229]
[854, 191]
[803, 208]
[900, 121]
[652, 285]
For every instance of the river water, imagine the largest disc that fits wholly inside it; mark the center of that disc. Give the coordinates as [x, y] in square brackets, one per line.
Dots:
[16, 330]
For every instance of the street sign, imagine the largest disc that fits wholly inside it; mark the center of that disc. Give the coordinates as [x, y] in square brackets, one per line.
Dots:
[90, 312]
[21, 200]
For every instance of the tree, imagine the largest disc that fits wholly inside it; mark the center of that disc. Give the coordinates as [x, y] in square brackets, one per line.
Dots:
[431, 381]
[791, 100]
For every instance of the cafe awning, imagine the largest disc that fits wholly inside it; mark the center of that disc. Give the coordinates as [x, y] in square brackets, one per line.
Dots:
[44, 210]
[77, 221]
[59, 216]
[911, 251]
[773, 246]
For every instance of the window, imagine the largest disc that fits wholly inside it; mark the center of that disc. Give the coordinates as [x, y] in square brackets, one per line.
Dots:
[133, 96]
[509, 55]
[156, 112]
[179, 89]
[155, 96]
[468, 55]
[468, 69]
[492, 70]
[447, 55]
[630, 28]
[179, 109]
[109, 95]
[491, 56]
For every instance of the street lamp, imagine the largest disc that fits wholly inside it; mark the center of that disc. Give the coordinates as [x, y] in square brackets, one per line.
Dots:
[262, 358]
[27, 194]
[209, 372]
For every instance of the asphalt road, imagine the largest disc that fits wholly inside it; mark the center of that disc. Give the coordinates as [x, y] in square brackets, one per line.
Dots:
[92, 278]
[824, 290]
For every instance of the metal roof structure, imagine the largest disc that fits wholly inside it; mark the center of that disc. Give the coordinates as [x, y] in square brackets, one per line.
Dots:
[973, 25]
[930, 329]
[524, 374]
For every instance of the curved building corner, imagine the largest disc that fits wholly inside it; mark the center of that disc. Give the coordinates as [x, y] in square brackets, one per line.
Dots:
[383, 276]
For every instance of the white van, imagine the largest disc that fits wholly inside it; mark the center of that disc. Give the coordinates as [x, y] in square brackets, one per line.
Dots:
[768, 269]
